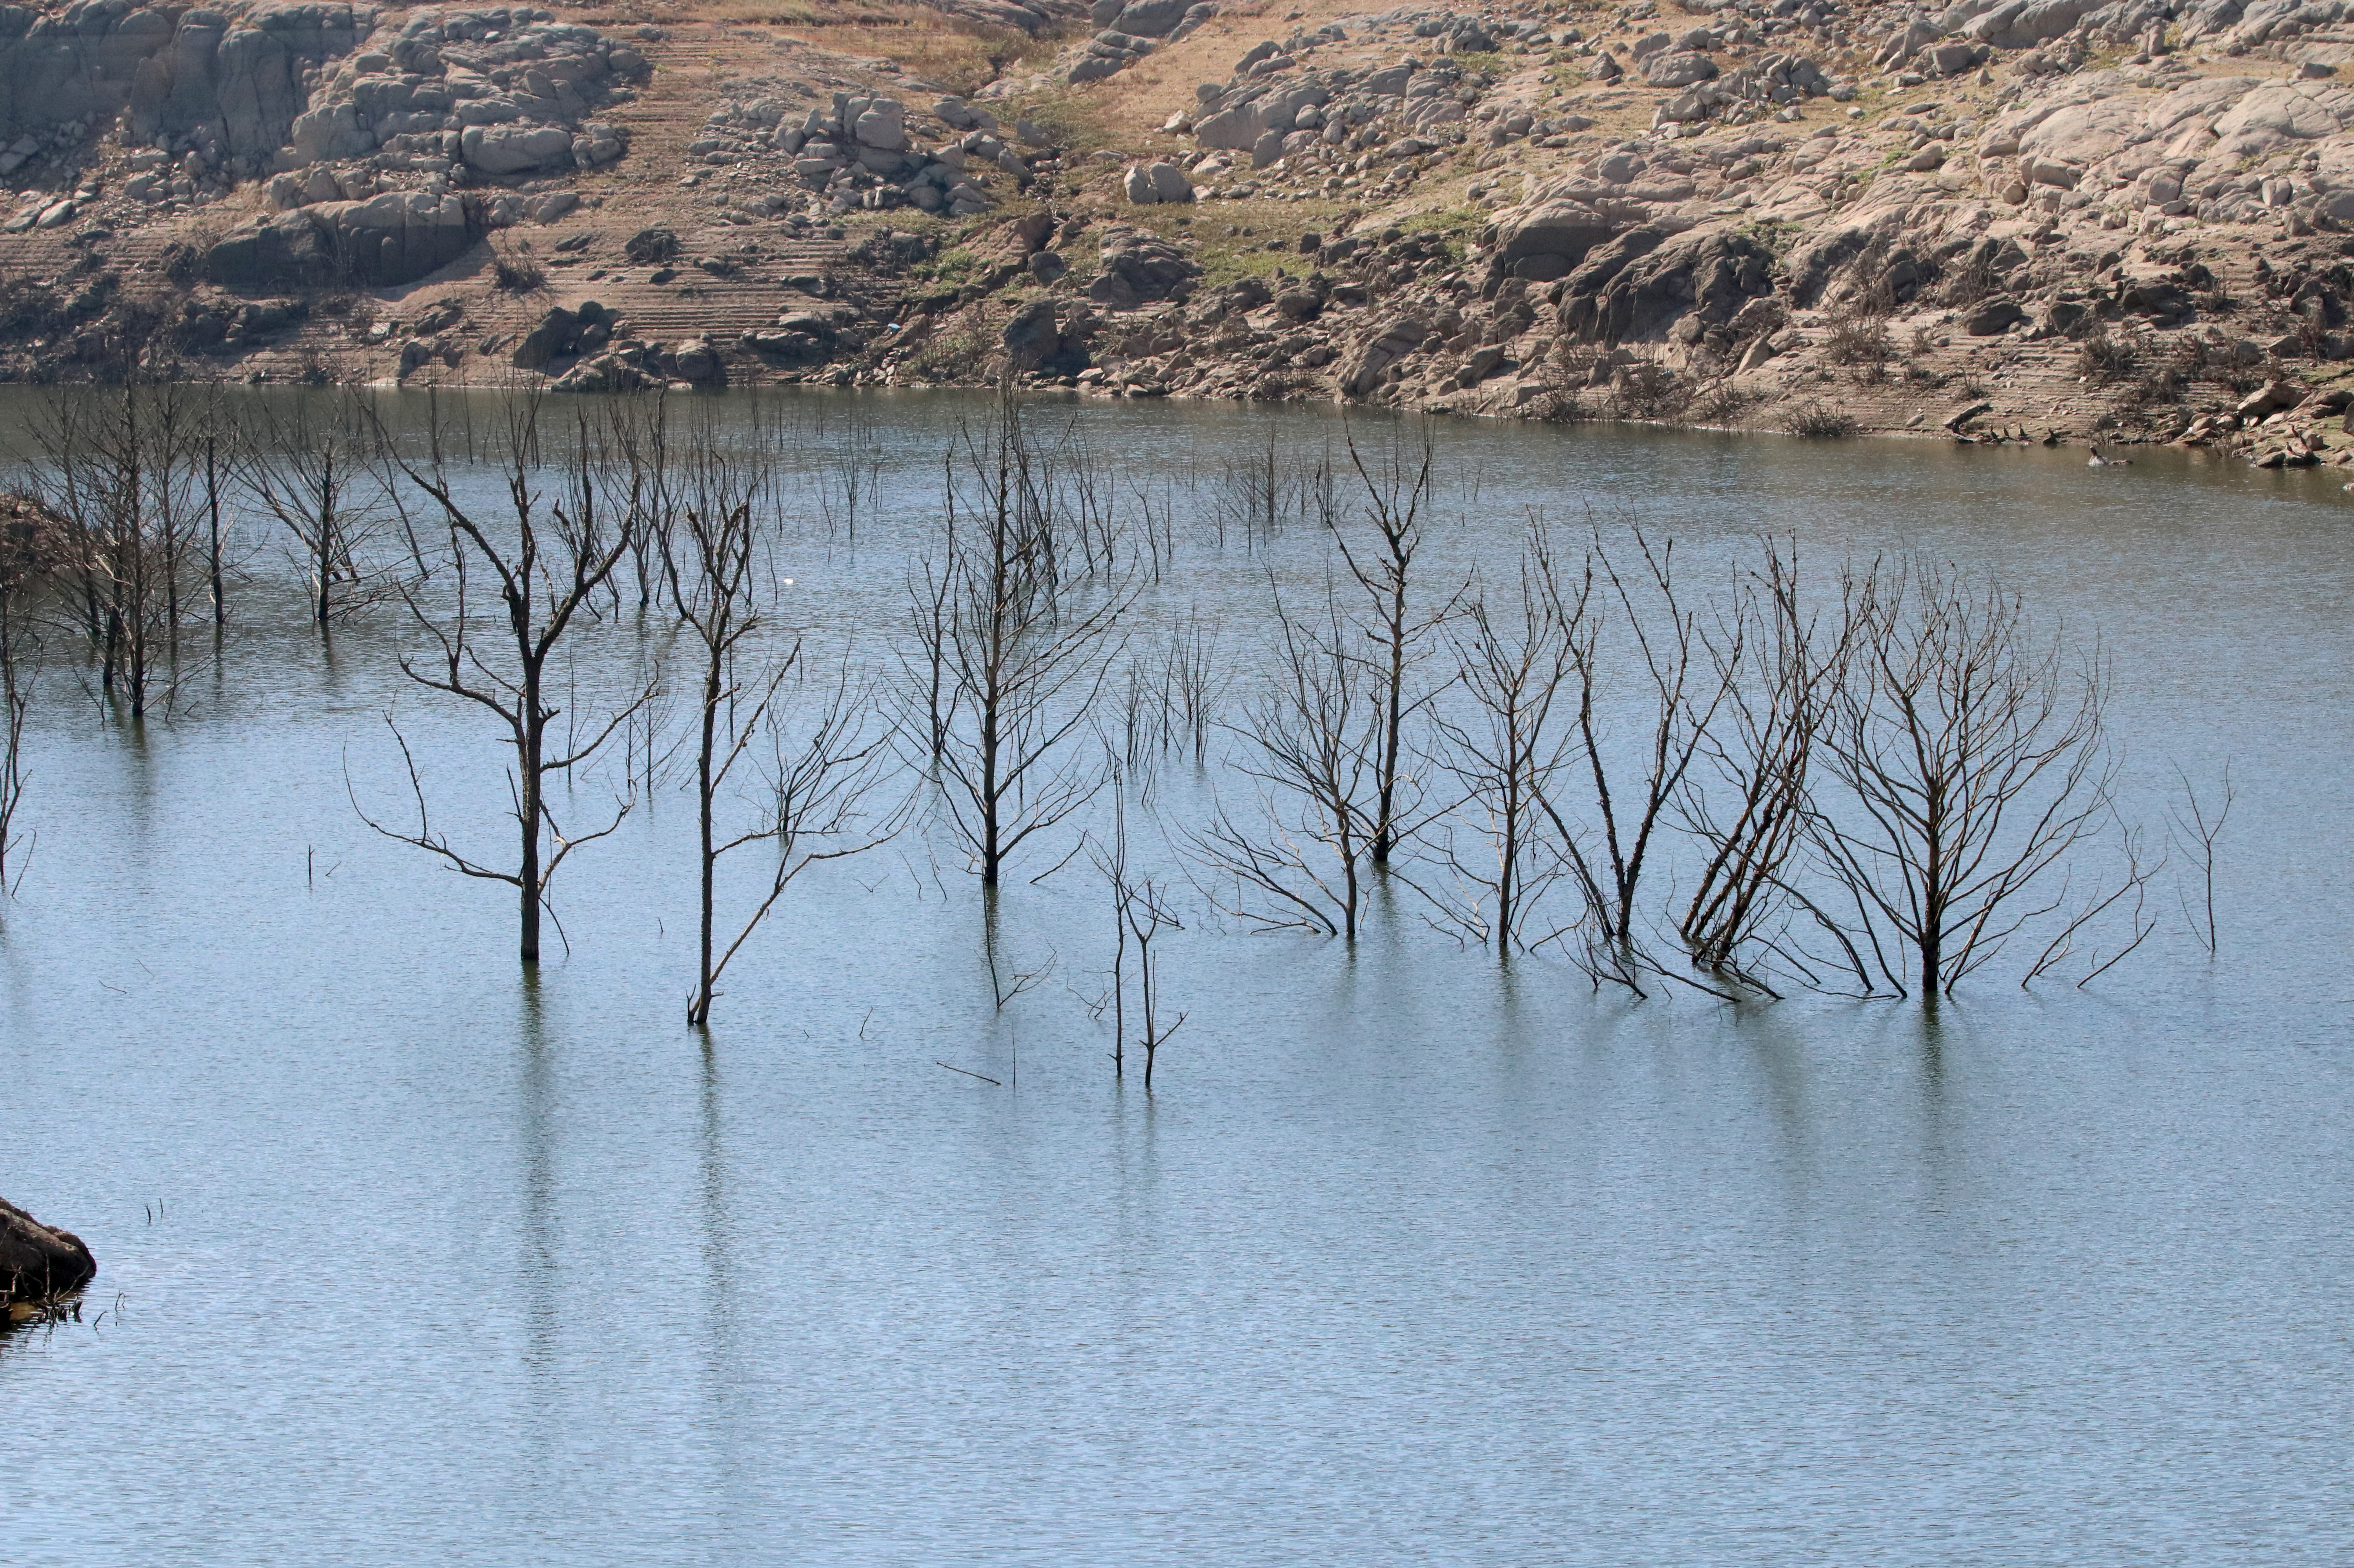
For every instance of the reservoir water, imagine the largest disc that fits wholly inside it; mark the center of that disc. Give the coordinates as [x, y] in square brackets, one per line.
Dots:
[1408, 1258]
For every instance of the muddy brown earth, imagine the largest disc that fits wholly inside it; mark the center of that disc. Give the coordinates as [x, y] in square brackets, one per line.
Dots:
[2046, 221]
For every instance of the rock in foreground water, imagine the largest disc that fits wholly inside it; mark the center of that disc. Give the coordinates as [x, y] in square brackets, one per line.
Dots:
[38, 1262]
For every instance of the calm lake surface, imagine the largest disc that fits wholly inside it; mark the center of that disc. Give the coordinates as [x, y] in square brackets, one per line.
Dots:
[1408, 1258]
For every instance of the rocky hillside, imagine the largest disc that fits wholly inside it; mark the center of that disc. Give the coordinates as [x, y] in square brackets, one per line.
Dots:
[2036, 220]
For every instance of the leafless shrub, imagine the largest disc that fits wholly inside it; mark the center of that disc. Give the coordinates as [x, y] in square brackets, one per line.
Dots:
[310, 467]
[1819, 421]
[1141, 913]
[516, 270]
[18, 663]
[2198, 824]
[1192, 678]
[1968, 282]
[1721, 404]
[1647, 391]
[2157, 386]
[1378, 544]
[2103, 358]
[1856, 337]
[1260, 497]
[121, 467]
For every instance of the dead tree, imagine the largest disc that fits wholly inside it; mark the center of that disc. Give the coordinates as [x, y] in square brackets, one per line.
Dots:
[215, 474]
[1515, 654]
[32, 542]
[1965, 766]
[823, 768]
[1780, 664]
[2198, 824]
[542, 561]
[1397, 498]
[310, 469]
[1610, 823]
[117, 469]
[1022, 649]
[641, 474]
[850, 479]
[1314, 745]
[1141, 914]
[1191, 678]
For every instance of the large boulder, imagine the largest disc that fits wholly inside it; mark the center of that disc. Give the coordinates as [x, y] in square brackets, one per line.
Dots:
[285, 251]
[555, 336]
[884, 127]
[1369, 363]
[1033, 336]
[1139, 268]
[39, 1261]
[653, 245]
[1150, 19]
[1545, 238]
[697, 363]
[396, 238]
[516, 149]
[1679, 67]
[1640, 285]
[1243, 119]
[2024, 24]
[1992, 318]
[1160, 182]
[385, 241]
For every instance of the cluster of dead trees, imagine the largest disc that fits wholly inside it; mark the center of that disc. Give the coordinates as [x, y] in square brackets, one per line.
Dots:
[1880, 781]
[1877, 779]
[1876, 784]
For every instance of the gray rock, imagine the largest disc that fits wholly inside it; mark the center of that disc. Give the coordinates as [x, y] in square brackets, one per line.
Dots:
[1619, 167]
[696, 361]
[1677, 69]
[1149, 18]
[1033, 337]
[958, 114]
[555, 334]
[884, 127]
[1169, 182]
[1366, 367]
[381, 242]
[1139, 268]
[1647, 286]
[1234, 130]
[516, 149]
[1992, 318]
[1544, 240]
